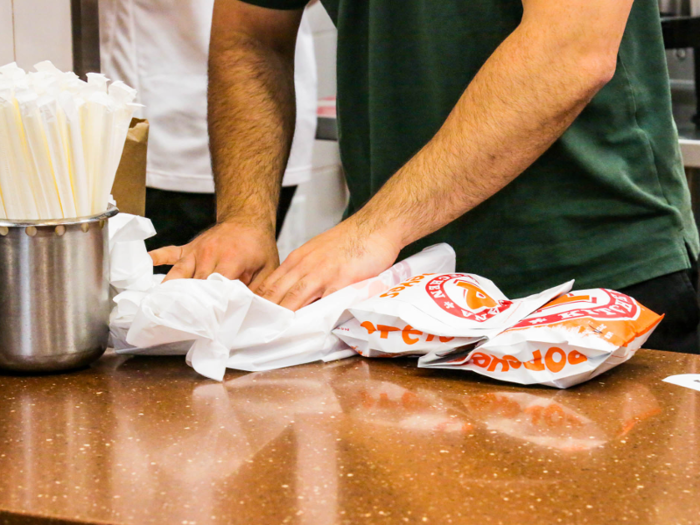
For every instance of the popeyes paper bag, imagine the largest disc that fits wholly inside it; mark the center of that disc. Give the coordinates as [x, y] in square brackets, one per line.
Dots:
[568, 341]
[436, 312]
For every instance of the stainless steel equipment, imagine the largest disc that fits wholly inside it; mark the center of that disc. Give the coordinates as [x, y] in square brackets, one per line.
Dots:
[54, 293]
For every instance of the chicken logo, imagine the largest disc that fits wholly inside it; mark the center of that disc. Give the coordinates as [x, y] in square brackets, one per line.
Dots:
[462, 295]
[476, 298]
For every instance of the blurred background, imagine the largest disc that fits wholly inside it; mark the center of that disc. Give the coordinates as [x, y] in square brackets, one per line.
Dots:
[67, 33]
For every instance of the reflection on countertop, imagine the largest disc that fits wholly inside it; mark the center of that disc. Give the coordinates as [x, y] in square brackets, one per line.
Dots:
[146, 440]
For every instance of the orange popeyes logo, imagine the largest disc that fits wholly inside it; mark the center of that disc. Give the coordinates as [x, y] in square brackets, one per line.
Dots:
[409, 335]
[476, 298]
[477, 304]
[554, 360]
[394, 292]
[474, 304]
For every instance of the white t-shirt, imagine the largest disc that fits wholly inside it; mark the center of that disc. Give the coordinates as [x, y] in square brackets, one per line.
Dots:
[160, 48]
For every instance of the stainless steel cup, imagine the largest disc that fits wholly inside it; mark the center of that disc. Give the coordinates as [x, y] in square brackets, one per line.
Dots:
[54, 292]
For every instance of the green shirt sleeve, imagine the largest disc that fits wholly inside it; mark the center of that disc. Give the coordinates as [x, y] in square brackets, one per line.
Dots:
[279, 4]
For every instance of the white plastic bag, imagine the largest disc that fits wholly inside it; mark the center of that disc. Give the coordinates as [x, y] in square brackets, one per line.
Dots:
[436, 312]
[220, 323]
[131, 268]
[568, 341]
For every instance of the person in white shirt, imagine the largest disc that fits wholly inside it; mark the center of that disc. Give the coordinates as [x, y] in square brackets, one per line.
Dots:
[160, 47]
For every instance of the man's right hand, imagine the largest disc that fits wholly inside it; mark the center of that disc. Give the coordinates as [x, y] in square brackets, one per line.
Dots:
[236, 250]
[251, 126]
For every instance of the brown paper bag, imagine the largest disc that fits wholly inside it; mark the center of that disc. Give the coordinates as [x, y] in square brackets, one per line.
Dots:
[129, 188]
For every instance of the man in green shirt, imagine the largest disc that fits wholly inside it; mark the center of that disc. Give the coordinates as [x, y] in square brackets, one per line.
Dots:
[535, 136]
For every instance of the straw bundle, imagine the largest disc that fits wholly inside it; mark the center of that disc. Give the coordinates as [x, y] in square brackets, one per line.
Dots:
[61, 140]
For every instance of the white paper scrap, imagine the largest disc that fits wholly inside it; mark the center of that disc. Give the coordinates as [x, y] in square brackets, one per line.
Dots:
[691, 381]
[131, 268]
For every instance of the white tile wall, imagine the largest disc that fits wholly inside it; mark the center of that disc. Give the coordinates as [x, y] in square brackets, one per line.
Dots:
[43, 32]
[7, 44]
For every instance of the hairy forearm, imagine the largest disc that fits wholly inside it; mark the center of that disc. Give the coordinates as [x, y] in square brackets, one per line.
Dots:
[524, 97]
[251, 115]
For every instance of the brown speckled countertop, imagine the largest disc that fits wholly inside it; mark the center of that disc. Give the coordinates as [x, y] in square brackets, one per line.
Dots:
[148, 441]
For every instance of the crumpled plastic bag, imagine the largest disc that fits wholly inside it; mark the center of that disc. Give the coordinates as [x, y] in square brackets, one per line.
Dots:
[131, 268]
[220, 323]
[572, 339]
[436, 313]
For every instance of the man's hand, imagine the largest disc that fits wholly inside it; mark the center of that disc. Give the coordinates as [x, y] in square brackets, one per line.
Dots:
[251, 125]
[337, 258]
[236, 250]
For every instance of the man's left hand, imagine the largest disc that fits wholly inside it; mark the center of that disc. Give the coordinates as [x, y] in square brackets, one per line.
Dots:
[342, 256]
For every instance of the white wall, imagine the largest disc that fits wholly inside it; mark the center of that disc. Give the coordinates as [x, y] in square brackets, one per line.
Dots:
[36, 30]
[7, 36]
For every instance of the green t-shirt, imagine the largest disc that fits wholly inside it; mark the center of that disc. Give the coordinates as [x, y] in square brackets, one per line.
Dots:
[607, 204]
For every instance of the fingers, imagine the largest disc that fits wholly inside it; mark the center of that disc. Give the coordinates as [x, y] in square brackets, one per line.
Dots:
[229, 269]
[183, 266]
[304, 292]
[182, 269]
[276, 286]
[206, 262]
[330, 290]
[233, 250]
[293, 292]
[292, 287]
[166, 256]
[259, 278]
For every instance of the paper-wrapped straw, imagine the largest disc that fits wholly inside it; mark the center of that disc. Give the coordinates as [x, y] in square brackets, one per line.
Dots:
[13, 72]
[98, 82]
[6, 180]
[76, 153]
[123, 95]
[3, 215]
[22, 154]
[59, 159]
[98, 121]
[17, 183]
[44, 187]
[3, 169]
